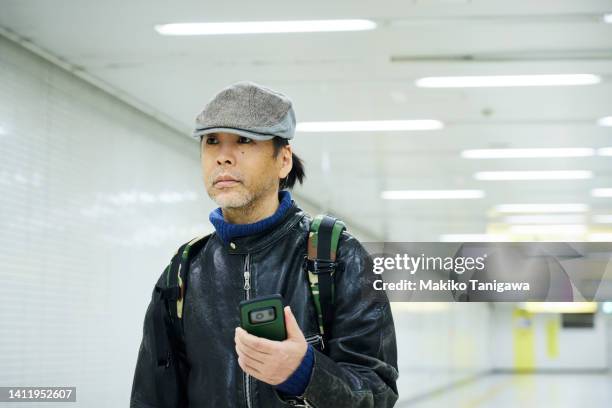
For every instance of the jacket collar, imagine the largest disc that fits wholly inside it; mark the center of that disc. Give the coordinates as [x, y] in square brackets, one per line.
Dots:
[260, 240]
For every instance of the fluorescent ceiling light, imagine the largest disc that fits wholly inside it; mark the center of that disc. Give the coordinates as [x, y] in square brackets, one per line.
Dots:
[549, 229]
[545, 219]
[527, 153]
[431, 194]
[473, 238]
[607, 121]
[368, 126]
[507, 81]
[559, 307]
[605, 151]
[259, 27]
[602, 219]
[608, 18]
[541, 208]
[601, 192]
[534, 175]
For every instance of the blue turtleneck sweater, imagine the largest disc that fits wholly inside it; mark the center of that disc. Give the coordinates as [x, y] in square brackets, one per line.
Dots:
[227, 231]
[297, 382]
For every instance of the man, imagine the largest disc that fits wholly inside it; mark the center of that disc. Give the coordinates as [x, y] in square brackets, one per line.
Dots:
[258, 249]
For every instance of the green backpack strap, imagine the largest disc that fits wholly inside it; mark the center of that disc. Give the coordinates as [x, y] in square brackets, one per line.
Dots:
[325, 232]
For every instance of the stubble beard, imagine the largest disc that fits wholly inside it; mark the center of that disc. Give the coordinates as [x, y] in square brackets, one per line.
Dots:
[245, 200]
[233, 200]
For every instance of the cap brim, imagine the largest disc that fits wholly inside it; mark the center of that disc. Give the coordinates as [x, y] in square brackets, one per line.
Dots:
[241, 132]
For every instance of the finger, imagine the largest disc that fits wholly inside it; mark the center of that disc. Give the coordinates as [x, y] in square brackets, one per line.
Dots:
[293, 328]
[256, 353]
[258, 343]
[248, 362]
[242, 366]
[248, 368]
[241, 351]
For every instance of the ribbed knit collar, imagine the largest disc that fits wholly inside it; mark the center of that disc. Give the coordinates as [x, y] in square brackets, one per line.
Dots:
[227, 231]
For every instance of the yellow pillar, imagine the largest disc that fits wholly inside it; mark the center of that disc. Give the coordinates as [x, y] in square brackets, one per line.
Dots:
[523, 340]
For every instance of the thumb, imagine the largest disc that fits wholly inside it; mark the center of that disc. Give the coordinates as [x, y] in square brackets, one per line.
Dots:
[293, 329]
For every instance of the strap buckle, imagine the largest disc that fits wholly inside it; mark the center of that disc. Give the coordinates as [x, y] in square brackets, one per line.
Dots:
[318, 266]
[298, 402]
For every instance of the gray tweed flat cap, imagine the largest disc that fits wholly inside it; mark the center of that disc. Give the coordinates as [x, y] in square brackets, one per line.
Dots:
[250, 110]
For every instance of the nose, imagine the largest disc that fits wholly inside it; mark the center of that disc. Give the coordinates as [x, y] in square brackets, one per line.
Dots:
[226, 154]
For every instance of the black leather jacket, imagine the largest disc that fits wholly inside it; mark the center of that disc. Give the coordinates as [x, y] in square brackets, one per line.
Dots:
[360, 367]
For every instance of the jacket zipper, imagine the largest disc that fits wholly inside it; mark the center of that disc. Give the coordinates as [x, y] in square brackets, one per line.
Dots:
[247, 288]
[310, 339]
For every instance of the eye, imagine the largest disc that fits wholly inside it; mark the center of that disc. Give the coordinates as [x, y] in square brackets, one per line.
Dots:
[211, 138]
[245, 140]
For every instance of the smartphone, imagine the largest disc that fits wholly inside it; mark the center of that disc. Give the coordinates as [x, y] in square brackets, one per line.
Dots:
[264, 317]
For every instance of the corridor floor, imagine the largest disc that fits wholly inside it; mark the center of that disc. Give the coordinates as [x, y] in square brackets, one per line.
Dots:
[559, 390]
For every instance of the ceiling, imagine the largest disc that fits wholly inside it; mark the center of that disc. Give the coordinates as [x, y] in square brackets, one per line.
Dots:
[368, 75]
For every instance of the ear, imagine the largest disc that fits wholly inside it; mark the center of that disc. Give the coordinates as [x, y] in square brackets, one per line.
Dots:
[286, 154]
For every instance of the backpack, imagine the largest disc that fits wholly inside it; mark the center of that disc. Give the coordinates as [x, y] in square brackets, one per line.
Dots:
[171, 365]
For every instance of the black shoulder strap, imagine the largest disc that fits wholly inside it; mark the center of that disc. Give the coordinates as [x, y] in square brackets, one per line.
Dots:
[172, 367]
[325, 232]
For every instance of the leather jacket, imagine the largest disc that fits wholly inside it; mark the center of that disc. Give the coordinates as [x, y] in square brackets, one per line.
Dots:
[358, 367]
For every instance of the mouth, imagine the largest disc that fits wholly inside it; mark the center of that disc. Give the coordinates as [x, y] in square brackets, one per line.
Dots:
[225, 181]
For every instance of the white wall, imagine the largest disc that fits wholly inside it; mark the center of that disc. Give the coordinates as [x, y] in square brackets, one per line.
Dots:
[579, 348]
[440, 344]
[95, 197]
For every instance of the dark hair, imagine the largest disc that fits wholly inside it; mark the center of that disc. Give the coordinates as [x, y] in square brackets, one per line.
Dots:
[297, 171]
